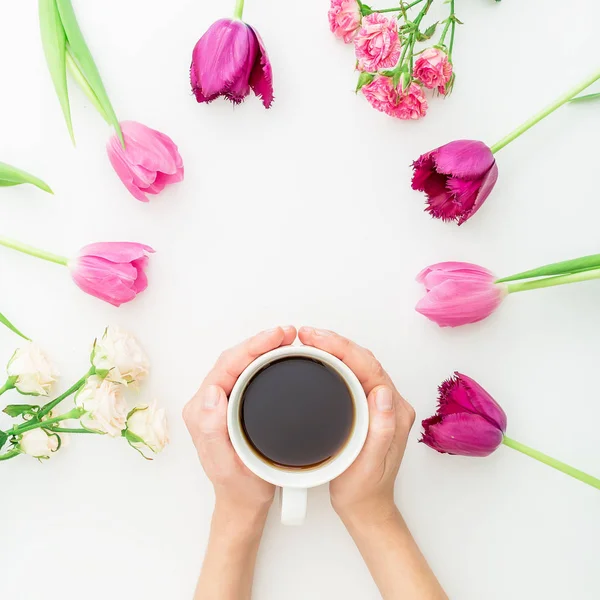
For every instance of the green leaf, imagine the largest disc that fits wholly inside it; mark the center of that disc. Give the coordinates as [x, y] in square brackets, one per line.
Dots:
[54, 41]
[82, 55]
[585, 263]
[8, 324]
[365, 9]
[3, 438]
[428, 33]
[12, 176]
[364, 79]
[586, 98]
[16, 410]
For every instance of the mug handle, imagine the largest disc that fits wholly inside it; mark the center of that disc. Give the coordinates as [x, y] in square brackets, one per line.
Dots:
[293, 505]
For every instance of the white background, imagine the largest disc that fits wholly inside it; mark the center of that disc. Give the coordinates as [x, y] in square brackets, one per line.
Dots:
[303, 214]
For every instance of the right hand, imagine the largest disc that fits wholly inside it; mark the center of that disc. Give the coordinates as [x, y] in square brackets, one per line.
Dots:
[367, 487]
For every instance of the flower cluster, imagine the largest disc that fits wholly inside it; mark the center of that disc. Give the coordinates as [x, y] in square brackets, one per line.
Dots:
[393, 74]
[100, 406]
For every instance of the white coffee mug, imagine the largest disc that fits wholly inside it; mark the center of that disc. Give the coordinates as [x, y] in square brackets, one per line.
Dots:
[295, 483]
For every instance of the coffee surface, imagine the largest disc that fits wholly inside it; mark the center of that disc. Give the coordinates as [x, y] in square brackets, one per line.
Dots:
[297, 412]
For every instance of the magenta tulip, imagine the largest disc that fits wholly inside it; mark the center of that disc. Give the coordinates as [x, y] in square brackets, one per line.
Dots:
[459, 293]
[468, 420]
[112, 271]
[456, 178]
[149, 162]
[229, 60]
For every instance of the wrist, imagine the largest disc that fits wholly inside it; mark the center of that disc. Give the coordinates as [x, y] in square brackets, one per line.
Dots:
[239, 520]
[372, 512]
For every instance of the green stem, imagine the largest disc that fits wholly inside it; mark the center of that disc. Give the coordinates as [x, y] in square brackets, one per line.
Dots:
[85, 86]
[72, 414]
[15, 245]
[545, 112]
[397, 9]
[9, 385]
[552, 462]
[70, 430]
[10, 455]
[544, 282]
[48, 407]
[238, 11]
[452, 30]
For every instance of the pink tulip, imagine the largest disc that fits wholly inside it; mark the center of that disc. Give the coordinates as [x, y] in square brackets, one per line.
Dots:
[459, 293]
[149, 162]
[112, 271]
[344, 19]
[229, 60]
[468, 420]
[457, 178]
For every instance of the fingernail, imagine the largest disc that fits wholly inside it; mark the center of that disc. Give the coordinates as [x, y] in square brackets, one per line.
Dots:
[212, 395]
[269, 332]
[307, 330]
[384, 400]
[323, 332]
[288, 328]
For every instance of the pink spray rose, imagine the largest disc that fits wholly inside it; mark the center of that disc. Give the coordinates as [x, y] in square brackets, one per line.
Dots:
[456, 178]
[468, 421]
[433, 69]
[344, 19]
[377, 43]
[381, 95]
[149, 162]
[459, 293]
[229, 60]
[112, 271]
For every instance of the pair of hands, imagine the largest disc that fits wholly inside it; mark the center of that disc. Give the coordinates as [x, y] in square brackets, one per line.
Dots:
[365, 490]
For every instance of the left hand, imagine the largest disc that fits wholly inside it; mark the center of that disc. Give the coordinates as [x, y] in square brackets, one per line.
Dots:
[236, 487]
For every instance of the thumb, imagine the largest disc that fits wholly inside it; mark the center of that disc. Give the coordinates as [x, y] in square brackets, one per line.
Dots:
[206, 419]
[382, 427]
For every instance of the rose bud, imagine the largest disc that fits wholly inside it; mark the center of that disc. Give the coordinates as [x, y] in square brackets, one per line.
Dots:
[149, 162]
[104, 406]
[456, 178]
[39, 444]
[344, 19]
[112, 271]
[30, 371]
[229, 60]
[468, 420]
[147, 429]
[459, 293]
[118, 357]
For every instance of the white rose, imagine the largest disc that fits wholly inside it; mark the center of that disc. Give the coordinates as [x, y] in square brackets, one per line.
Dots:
[106, 409]
[34, 373]
[149, 423]
[38, 443]
[119, 357]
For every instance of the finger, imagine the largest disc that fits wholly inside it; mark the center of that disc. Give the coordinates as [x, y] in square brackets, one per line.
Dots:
[206, 418]
[364, 365]
[232, 362]
[382, 428]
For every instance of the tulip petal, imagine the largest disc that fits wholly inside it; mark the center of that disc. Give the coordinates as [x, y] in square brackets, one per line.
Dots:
[123, 170]
[487, 185]
[146, 147]
[261, 77]
[465, 159]
[462, 434]
[117, 252]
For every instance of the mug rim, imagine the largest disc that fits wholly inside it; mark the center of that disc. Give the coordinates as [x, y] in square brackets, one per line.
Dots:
[299, 478]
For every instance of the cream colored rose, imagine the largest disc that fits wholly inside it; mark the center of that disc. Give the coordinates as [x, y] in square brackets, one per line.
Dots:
[106, 409]
[34, 373]
[118, 357]
[38, 443]
[148, 423]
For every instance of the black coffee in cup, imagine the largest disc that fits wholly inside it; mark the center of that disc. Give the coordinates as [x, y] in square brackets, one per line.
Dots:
[297, 412]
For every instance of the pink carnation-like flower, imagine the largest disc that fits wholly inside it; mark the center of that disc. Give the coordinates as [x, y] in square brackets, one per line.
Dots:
[344, 19]
[381, 95]
[433, 69]
[377, 43]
